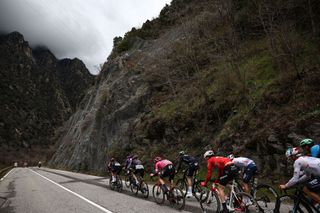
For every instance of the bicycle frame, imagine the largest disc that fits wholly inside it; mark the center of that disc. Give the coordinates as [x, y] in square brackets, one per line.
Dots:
[298, 197]
[232, 194]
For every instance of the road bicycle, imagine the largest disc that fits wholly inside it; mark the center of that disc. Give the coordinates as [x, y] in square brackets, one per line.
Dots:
[209, 200]
[236, 200]
[182, 183]
[117, 185]
[137, 184]
[174, 195]
[264, 194]
[296, 202]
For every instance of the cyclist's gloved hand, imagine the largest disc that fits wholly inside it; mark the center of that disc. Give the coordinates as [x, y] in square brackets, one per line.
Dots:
[282, 187]
[203, 184]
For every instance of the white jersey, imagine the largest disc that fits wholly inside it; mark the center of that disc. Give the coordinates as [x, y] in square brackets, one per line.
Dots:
[242, 162]
[308, 165]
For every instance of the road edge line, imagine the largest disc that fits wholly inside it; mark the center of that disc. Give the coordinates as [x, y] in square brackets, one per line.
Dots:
[74, 193]
[6, 175]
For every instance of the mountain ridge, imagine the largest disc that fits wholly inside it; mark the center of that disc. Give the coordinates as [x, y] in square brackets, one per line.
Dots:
[34, 102]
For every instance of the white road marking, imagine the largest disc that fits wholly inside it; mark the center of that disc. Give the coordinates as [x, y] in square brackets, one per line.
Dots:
[6, 175]
[80, 196]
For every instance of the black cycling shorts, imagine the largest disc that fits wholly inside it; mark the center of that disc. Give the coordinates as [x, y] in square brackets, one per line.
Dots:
[168, 171]
[229, 173]
[314, 185]
[116, 169]
[192, 169]
[138, 170]
[249, 172]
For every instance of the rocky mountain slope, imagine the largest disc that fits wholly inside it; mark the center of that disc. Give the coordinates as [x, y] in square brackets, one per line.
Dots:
[38, 93]
[235, 76]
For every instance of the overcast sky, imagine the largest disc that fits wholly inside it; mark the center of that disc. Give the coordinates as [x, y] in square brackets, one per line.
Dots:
[76, 28]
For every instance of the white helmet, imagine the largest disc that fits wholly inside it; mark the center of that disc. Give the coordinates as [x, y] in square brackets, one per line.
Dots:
[208, 153]
[231, 156]
[293, 152]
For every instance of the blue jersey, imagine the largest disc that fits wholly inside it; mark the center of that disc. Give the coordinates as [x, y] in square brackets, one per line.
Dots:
[315, 151]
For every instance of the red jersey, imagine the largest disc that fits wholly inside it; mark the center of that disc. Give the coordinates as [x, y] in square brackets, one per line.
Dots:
[219, 163]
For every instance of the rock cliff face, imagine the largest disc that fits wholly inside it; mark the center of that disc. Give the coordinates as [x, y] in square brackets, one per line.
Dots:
[38, 93]
[205, 74]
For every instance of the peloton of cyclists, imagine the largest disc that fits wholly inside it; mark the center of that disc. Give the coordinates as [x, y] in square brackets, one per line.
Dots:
[193, 166]
[227, 171]
[309, 168]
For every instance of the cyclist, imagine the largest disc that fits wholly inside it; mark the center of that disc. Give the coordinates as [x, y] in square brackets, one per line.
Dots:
[135, 167]
[164, 168]
[114, 167]
[193, 166]
[309, 166]
[127, 162]
[248, 167]
[39, 164]
[227, 171]
[308, 145]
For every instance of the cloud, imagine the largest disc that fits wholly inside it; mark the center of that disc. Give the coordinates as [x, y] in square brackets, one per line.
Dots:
[76, 28]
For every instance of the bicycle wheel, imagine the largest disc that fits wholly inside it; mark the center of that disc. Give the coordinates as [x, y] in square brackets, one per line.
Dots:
[119, 184]
[209, 201]
[265, 197]
[242, 202]
[286, 203]
[197, 189]
[111, 185]
[158, 194]
[177, 198]
[144, 188]
[134, 186]
[182, 185]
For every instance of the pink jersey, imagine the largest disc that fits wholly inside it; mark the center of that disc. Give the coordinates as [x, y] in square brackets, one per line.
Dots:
[161, 164]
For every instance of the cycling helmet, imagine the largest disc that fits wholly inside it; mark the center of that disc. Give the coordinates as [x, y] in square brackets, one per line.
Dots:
[156, 159]
[208, 153]
[112, 159]
[231, 156]
[182, 153]
[293, 152]
[306, 142]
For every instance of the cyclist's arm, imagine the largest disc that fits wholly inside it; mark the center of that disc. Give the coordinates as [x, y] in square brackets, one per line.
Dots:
[209, 173]
[296, 175]
[156, 168]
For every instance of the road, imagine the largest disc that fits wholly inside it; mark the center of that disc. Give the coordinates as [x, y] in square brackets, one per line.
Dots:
[33, 190]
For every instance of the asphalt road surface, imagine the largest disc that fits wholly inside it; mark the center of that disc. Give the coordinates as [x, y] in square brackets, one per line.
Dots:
[33, 190]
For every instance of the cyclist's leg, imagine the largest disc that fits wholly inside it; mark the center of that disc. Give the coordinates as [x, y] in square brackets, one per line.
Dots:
[170, 174]
[162, 181]
[190, 173]
[113, 176]
[248, 174]
[312, 189]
